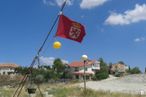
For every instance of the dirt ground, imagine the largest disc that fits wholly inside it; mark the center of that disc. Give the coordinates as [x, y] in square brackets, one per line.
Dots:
[134, 84]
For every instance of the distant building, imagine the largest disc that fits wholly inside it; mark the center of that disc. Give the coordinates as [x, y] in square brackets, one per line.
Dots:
[118, 68]
[7, 69]
[77, 68]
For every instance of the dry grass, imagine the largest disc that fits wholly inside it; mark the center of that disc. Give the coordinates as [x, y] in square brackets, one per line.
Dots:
[78, 92]
[60, 90]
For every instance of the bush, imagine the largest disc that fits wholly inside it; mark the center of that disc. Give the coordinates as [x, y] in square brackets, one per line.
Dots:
[135, 70]
[39, 79]
[94, 78]
[118, 74]
[103, 73]
[7, 80]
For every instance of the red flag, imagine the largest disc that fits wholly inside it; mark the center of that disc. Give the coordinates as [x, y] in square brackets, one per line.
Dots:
[70, 29]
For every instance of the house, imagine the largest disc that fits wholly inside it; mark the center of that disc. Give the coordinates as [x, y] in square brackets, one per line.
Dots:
[7, 69]
[118, 67]
[77, 68]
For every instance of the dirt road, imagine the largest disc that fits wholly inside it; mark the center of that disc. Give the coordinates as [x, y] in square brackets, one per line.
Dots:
[129, 84]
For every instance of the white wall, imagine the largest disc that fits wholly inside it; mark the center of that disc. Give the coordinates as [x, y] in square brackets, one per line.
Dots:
[95, 66]
[6, 70]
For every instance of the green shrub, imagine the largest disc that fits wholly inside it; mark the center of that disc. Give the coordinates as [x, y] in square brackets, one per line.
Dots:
[118, 74]
[103, 73]
[135, 70]
[94, 78]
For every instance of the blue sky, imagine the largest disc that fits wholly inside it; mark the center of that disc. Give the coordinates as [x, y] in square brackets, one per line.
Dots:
[115, 30]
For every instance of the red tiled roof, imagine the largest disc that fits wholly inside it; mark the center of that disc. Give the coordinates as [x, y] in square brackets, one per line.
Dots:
[8, 66]
[81, 64]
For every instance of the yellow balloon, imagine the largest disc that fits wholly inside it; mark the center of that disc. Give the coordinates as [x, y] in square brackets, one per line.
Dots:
[56, 45]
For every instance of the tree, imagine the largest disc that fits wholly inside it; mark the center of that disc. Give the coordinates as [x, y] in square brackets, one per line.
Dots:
[109, 67]
[129, 69]
[103, 72]
[121, 62]
[67, 74]
[145, 69]
[58, 67]
[135, 70]
[21, 70]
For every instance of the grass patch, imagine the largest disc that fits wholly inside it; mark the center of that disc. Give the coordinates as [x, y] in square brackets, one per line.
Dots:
[66, 91]
[5, 92]
[79, 92]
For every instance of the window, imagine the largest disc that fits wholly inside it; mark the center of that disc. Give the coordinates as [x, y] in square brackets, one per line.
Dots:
[77, 76]
[86, 68]
[76, 69]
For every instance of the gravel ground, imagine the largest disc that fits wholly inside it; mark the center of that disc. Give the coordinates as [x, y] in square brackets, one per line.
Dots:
[129, 84]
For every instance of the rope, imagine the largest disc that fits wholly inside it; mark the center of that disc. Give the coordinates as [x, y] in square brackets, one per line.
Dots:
[52, 27]
[38, 61]
[40, 91]
[22, 83]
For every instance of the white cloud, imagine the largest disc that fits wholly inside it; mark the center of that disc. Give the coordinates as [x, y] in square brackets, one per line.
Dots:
[64, 61]
[47, 2]
[60, 2]
[88, 4]
[139, 39]
[57, 2]
[128, 17]
[49, 60]
[51, 3]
